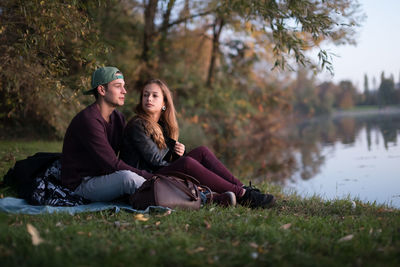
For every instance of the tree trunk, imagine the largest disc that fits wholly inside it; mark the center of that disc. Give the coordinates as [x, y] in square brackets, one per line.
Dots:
[148, 42]
[217, 28]
[149, 29]
[164, 30]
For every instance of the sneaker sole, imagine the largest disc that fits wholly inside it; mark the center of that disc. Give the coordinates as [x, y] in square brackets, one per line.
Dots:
[232, 198]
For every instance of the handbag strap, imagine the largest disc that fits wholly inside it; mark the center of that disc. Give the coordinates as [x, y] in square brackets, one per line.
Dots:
[182, 176]
[179, 185]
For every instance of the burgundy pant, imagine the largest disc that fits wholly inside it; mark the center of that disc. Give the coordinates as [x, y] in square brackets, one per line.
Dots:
[203, 165]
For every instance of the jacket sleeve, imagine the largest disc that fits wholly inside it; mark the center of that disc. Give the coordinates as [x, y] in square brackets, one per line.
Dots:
[147, 148]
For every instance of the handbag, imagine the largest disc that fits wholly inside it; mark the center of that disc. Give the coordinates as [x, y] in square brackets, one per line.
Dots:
[172, 190]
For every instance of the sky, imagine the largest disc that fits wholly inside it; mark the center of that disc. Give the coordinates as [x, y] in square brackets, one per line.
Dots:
[377, 49]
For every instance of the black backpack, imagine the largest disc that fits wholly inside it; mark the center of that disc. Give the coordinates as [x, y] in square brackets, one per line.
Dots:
[21, 176]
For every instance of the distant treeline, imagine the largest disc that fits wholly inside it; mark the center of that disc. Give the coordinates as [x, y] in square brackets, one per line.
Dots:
[310, 98]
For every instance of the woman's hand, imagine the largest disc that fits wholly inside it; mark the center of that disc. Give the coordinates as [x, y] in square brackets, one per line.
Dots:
[179, 148]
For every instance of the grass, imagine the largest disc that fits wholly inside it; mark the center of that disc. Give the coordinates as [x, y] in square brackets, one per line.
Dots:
[297, 231]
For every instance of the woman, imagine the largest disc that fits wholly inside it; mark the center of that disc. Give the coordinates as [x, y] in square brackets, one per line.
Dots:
[151, 143]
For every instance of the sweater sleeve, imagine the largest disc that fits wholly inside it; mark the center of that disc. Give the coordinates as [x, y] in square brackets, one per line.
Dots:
[93, 136]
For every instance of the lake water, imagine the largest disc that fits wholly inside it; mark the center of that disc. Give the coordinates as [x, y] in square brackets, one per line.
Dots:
[350, 155]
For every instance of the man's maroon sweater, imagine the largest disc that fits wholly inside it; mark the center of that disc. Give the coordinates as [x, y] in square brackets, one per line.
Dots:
[91, 145]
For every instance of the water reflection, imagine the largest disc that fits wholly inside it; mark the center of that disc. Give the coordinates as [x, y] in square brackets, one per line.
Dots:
[345, 129]
[353, 156]
[348, 155]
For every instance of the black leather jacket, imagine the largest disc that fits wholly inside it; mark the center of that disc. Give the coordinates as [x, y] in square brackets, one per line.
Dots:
[140, 151]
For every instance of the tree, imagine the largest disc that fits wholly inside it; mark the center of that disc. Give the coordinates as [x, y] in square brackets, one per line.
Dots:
[366, 90]
[347, 95]
[292, 27]
[386, 92]
[44, 49]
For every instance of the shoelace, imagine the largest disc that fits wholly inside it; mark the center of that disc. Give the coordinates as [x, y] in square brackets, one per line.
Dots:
[250, 187]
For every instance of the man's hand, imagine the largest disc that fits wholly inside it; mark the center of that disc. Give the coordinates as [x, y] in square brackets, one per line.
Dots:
[179, 148]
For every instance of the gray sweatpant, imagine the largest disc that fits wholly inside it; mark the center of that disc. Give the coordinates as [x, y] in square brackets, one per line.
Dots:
[110, 186]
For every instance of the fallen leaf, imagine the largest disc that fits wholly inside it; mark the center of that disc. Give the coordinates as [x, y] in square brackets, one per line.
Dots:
[158, 223]
[36, 239]
[286, 226]
[196, 250]
[253, 245]
[59, 224]
[141, 217]
[346, 238]
[168, 212]
[208, 225]
[80, 233]
[186, 227]
[236, 243]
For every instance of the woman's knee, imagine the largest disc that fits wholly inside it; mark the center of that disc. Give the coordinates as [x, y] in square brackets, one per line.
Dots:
[189, 163]
[203, 149]
[200, 152]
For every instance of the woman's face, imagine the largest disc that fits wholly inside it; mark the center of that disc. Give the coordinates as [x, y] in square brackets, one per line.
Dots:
[153, 99]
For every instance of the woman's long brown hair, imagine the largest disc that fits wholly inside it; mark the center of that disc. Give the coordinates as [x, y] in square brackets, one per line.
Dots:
[168, 116]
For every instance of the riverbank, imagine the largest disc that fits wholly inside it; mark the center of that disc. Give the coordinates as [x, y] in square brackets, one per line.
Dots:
[297, 231]
[366, 111]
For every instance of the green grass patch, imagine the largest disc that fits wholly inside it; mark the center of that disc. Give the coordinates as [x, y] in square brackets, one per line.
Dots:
[297, 231]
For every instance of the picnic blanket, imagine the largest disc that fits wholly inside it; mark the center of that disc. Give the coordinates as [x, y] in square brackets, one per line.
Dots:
[21, 206]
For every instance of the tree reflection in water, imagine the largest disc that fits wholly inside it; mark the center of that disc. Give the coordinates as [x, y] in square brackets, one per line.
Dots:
[261, 154]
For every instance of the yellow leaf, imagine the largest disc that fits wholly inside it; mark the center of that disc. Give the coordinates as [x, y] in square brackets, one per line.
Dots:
[140, 217]
[36, 239]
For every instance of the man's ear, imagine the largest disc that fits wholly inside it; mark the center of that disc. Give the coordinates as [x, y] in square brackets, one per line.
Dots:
[101, 90]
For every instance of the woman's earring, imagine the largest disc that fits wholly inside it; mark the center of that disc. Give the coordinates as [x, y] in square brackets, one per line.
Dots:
[163, 108]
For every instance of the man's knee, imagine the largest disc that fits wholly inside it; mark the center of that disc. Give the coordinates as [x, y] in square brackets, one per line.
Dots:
[130, 180]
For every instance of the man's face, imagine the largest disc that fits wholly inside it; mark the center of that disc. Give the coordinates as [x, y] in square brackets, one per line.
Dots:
[114, 94]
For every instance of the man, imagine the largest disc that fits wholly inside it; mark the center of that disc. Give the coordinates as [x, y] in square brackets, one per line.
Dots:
[90, 165]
